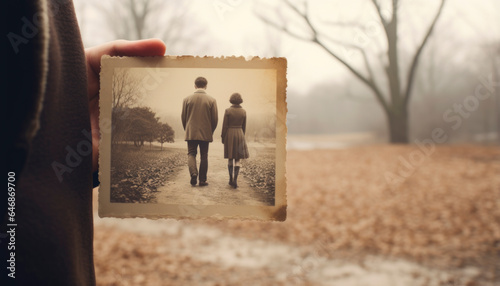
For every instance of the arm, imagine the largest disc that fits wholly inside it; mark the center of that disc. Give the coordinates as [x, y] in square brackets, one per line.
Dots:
[244, 125]
[151, 47]
[224, 126]
[184, 114]
[215, 116]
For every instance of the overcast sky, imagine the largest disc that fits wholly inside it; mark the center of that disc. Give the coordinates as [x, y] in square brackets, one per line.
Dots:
[230, 27]
[256, 86]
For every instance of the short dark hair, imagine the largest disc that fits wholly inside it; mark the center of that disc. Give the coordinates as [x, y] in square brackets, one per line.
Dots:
[236, 98]
[200, 82]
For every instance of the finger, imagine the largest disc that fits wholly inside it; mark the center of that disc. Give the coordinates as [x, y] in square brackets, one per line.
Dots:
[149, 47]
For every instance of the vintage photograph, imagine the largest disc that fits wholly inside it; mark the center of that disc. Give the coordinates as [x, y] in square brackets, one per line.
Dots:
[252, 143]
[193, 137]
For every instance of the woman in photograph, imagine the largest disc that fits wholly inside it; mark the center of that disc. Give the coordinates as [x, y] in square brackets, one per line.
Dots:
[233, 137]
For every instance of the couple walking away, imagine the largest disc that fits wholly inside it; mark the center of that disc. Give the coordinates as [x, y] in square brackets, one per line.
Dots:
[199, 119]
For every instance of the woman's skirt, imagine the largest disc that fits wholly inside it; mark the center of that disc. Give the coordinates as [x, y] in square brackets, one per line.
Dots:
[235, 146]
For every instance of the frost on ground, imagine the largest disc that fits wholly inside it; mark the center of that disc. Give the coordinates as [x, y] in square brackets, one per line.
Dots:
[438, 225]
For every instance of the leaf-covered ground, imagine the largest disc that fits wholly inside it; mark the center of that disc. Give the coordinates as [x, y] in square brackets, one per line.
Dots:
[440, 210]
[443, 209]
[446, 208]
[136, 173]
[261, 172]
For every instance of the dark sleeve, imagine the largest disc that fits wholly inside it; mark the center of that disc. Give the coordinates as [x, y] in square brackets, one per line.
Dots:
[24, 72]
[224, 126]
[244, 124]
[215, 116]
[184, 114]
[48, 114]
[95, 179]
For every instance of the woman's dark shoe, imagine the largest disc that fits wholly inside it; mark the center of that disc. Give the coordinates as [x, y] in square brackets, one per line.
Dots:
[193, 180]
[230, 169]
[235, 180]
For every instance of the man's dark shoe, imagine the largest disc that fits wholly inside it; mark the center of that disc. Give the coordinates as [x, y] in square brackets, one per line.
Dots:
[193, 180]
[202, 184]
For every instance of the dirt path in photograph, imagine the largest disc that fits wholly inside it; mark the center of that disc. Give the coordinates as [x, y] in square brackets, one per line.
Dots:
[178, 190]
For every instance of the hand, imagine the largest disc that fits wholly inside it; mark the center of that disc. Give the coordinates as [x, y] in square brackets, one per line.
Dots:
[150, 47]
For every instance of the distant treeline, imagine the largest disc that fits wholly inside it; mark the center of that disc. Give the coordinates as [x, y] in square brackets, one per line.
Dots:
[259, 126]
[349, 108]
[330, 110]
[139, 125]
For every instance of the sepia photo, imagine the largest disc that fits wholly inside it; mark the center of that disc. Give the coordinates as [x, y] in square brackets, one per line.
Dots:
[192, 137]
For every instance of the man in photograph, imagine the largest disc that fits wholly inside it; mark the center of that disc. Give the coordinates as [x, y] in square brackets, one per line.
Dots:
[199, 119]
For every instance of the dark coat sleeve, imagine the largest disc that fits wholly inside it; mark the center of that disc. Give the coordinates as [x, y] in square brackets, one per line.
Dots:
[224, 125]
[24, 71]
[244, 124]
[215, 116]
[48, 119]
[184, 114]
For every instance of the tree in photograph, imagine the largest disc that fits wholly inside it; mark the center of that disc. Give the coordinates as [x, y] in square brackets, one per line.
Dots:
[126, 90]
[400, 83]
[121, 125]
[142, 125]
[165, 134]
[153, 132]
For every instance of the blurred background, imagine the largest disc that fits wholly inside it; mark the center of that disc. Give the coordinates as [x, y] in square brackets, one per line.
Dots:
[393, 106]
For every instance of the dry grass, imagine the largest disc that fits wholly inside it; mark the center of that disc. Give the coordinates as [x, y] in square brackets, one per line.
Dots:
[446, 213]
[123, 259]
[135, 260]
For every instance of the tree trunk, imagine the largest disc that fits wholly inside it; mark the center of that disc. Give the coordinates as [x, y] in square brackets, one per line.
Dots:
[398, 126]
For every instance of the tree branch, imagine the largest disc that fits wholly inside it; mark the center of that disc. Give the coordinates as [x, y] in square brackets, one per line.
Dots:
[369, 81]
[358, 48]
[305, 17]
[345, 24]
[379, 13]
[284, 29]
[413, 67]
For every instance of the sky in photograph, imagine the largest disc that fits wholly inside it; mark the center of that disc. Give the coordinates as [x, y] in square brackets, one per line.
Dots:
[256, 86]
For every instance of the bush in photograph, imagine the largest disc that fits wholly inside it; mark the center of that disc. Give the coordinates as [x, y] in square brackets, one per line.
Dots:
[261, 173]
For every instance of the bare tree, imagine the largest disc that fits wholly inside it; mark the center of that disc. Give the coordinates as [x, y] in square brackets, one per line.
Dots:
[395, 101]
[493, 110]
[496, 64]
[126, 91]
[489, 55]
[140, 19]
